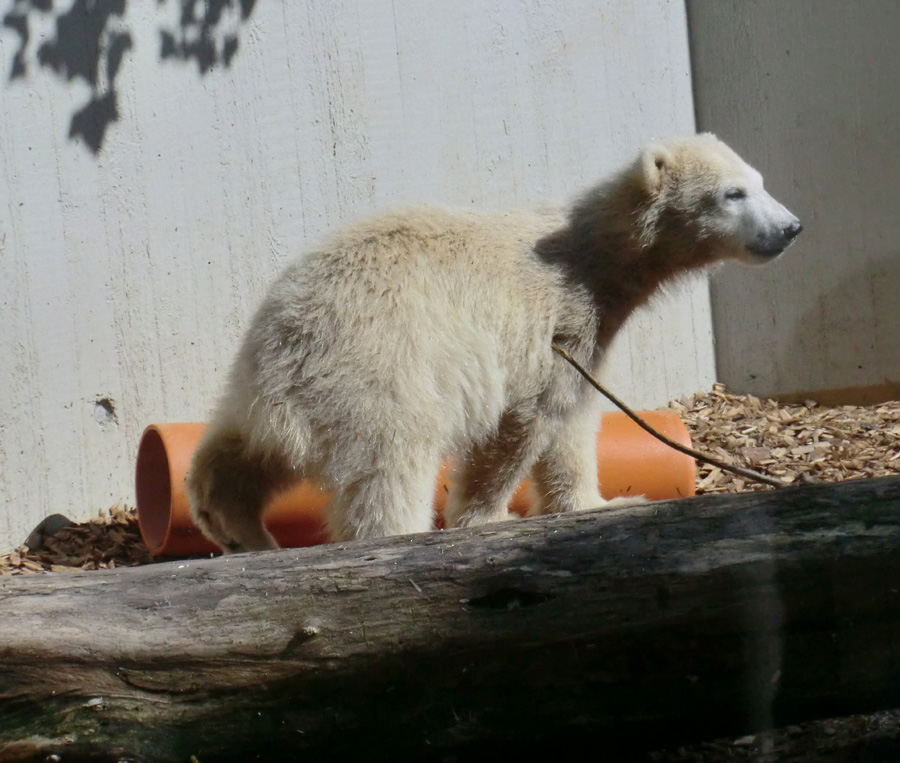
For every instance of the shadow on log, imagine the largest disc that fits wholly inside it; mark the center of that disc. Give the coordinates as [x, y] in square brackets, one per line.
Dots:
[632, 628]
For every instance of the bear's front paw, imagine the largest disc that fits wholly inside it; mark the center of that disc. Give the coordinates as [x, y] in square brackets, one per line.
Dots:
[625, 500]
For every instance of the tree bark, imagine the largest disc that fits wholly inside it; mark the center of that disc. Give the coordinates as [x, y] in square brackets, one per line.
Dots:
[630, 628]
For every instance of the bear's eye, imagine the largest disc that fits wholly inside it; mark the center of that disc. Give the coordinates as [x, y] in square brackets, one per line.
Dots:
[735, 194]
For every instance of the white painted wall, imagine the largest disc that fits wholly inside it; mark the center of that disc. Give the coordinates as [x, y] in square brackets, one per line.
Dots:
[129, 275]
[808, 91]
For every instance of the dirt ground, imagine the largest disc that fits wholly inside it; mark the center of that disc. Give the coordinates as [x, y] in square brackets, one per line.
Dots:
[792, 443]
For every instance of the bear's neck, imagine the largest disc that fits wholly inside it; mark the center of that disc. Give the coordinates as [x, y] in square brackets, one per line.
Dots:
[617, 260]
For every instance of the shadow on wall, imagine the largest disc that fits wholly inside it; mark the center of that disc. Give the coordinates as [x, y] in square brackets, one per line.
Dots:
[92, 39]
[851, 328]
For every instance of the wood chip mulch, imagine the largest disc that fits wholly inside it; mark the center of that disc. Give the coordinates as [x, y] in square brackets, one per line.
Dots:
[111, 539]
[791, 442]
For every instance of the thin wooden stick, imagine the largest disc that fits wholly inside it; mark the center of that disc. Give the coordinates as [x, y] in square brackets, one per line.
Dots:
[749, 474]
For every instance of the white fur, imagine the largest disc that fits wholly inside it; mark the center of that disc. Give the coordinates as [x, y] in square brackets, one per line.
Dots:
[427, 333]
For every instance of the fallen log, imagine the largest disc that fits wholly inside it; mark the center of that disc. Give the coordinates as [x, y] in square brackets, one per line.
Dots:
[630, 628]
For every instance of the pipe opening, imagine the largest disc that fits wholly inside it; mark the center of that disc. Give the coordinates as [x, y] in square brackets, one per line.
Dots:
[153, 488]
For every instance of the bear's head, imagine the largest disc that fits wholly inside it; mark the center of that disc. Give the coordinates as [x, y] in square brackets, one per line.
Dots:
[701, 197]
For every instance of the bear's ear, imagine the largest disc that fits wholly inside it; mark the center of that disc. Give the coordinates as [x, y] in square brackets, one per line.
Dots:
[657, 161]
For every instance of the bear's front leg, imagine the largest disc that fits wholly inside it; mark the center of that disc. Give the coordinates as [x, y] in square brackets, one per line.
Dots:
[565, 476]
[489, 473]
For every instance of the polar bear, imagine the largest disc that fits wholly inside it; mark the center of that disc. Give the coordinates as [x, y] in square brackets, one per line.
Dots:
[426, 333]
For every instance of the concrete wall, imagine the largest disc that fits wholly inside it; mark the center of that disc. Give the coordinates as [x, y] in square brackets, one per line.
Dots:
[807, 90]
[158, 171]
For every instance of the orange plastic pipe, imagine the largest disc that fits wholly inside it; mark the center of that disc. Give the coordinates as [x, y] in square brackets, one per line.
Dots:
[629, 462]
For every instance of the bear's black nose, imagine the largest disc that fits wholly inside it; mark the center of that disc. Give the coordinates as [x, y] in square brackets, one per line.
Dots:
[793, 230]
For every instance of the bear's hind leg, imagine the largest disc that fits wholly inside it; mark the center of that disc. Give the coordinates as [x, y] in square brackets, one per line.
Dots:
[228, 490]
[391, 495]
